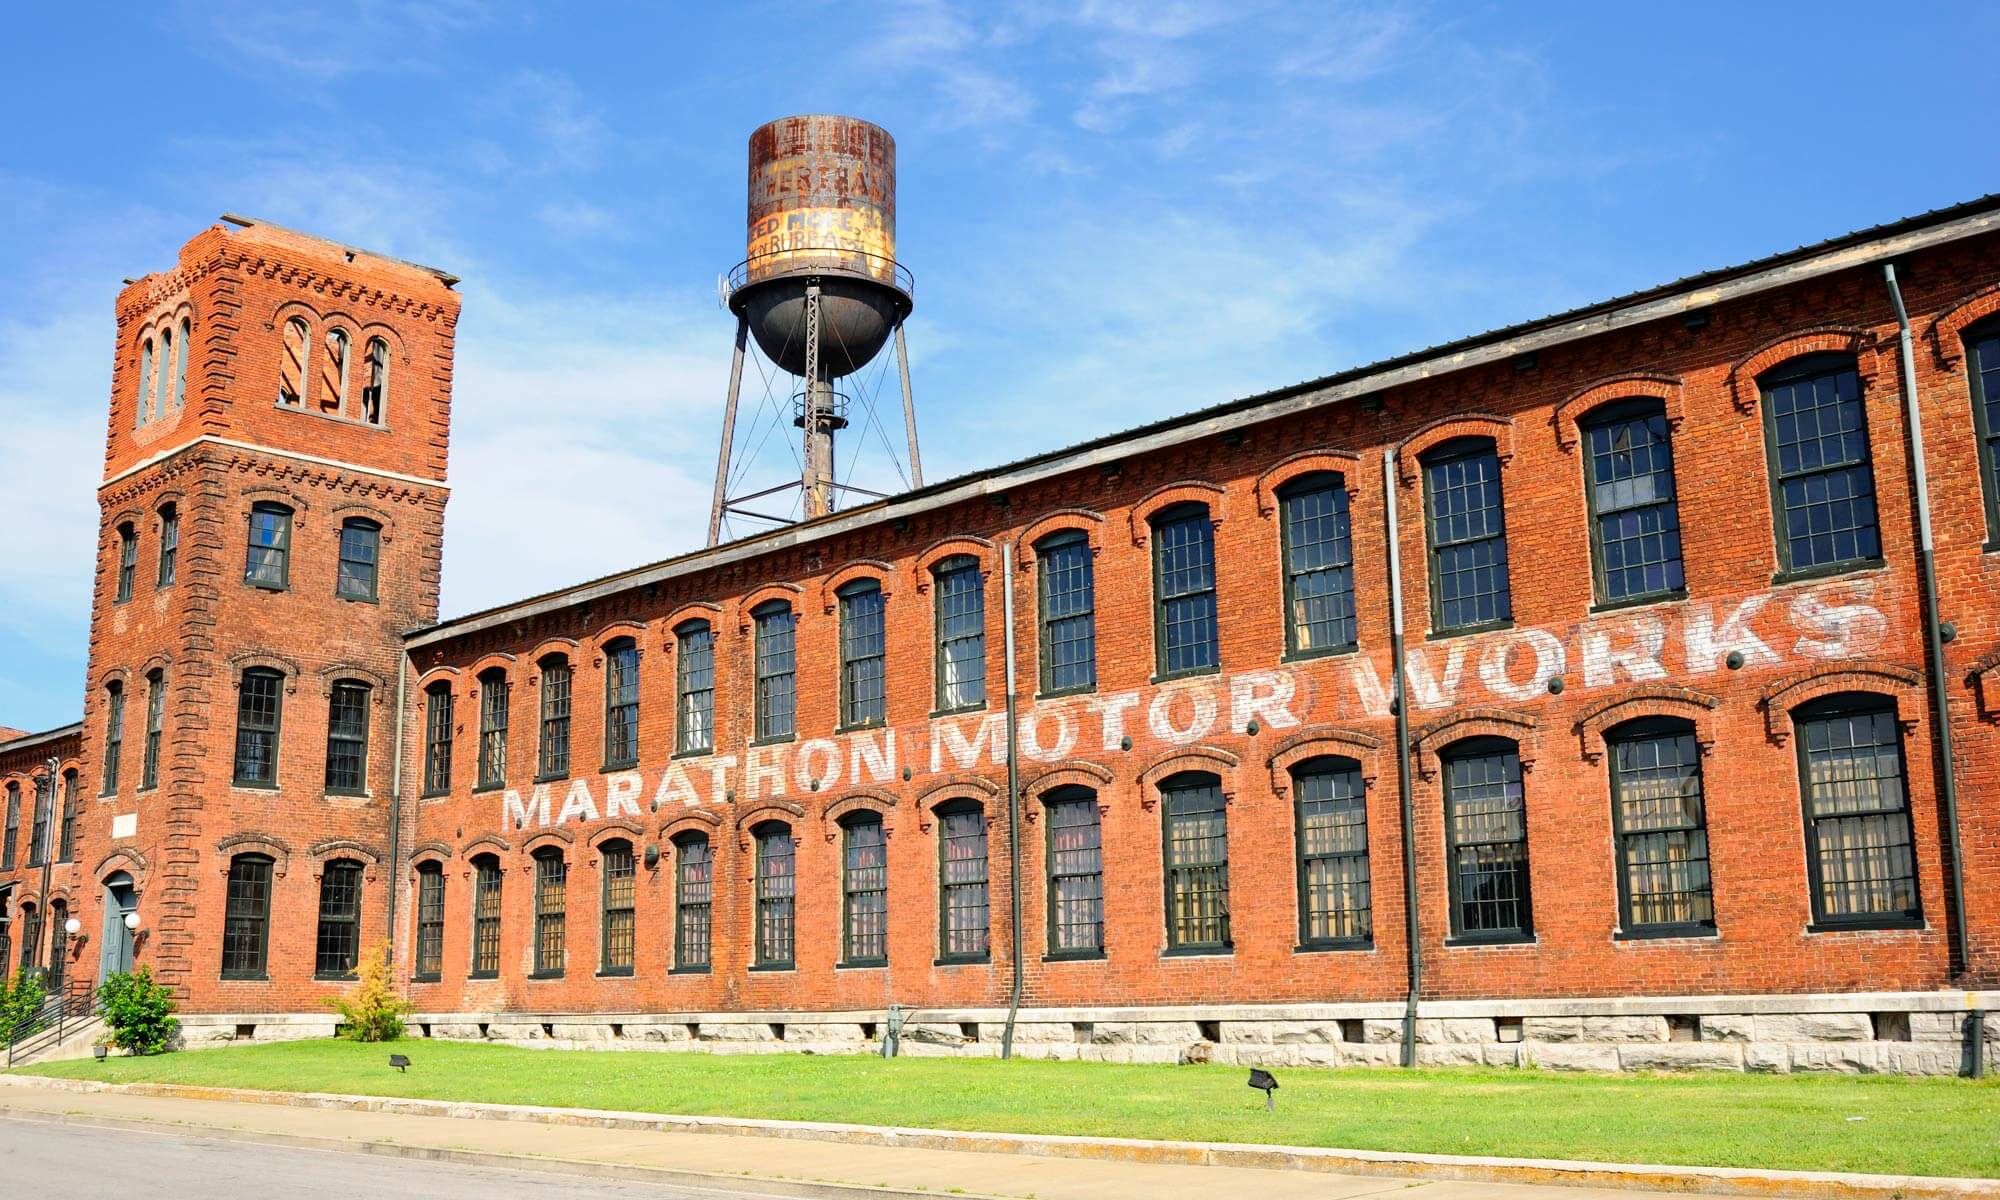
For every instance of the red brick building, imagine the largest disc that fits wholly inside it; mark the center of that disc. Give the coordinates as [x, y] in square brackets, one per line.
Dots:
[1670, 787]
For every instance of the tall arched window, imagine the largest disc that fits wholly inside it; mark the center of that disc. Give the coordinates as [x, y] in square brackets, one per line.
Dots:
[338, 946]
[485, 917]
[1661, 822]
[1635, 524]
[1331, 818]
[267, 555]
[694, 681]
[156, 722]
[1982, 366]
[776, 892]
[863, 653]
[1466, 527]
[142, 396]
[960, 592]
[128, 561]
[6, 940]
[360, 558]
[693, 896]
[493, 695]
[776, 668]
[962, 896]
[38, 833]
[430, 921]
[164, 383]
[864, 891]
[292, 363]
[552, 749]
[12, 844]
[437, 738]
[1486, 840]
[333, 374]
[347, 738]
[1195, 838]
[31, 936]
[58, 945]
[1067, 596]
[1184, 625]
[1318, 546]
[246, 918]
[375, 395]
[618, 931]
[621, 704]
[114, 734]
[1860, 850]
[1822, 474]
[181, 366]
[1076, 874]
[170, 545]
[259, 706]
[551, 912]
[71, 814]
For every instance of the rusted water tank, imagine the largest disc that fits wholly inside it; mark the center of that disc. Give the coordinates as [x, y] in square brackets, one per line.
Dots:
[822, 211]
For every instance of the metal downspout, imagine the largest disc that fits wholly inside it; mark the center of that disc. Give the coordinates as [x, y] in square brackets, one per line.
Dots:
[1013, 800]
[1413, 930]
[1933, 629]
[396, 799]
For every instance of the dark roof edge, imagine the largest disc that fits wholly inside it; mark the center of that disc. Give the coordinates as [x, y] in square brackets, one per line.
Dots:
[1693, 292]
[30, 741]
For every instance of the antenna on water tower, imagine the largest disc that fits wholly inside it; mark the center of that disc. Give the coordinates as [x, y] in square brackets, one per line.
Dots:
[820, 292]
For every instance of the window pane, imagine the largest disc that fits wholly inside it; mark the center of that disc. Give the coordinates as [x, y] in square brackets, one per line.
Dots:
[865, 884]
[692, 883]
[620, 883]
[962, 867]
[1334, 886]
[1468, 539]
[554, 757]
[486, 919]
[1069, 623]
[776, 628]
[347, 738]
[246, 915]
[1319, 568]
[339, 919]
[1076, 876]
[170, 542]
[1662, 830]
[1197, 861]
[493, 696]
[621, 705]
[269, 548]
[1632, 496]
[1486, 823]
[437, 740]
[1985, 359]
[862, 700]
[696, 723]
[1826, 485]
[551, 913]
[360, 544]
[430, 920]
[1184, 573]
[775, 892]
[1858, 818]
[961, 635]
[257, 701]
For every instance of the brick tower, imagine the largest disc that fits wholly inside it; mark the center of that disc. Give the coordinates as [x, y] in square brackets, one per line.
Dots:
[271, 518]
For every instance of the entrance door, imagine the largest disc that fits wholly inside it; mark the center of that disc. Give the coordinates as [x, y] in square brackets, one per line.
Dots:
[119, 900]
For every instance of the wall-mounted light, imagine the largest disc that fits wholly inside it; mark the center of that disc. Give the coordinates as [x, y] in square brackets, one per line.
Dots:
[132, 921]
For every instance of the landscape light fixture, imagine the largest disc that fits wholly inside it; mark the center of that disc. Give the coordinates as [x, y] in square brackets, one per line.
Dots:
[1267, 1083]
[400, 1061]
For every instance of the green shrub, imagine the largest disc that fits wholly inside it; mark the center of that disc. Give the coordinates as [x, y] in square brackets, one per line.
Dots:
[139, 1012]
[373, 1011]
[20, 999]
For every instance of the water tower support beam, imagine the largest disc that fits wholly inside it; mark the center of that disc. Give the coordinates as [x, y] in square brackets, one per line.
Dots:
[728, 434]
[909, 409]
[817, 418]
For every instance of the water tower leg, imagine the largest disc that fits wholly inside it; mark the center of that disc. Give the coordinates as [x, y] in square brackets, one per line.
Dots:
[909, 409]
[728, 433]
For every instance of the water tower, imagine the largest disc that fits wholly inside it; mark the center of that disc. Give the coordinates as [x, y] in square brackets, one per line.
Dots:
[820, 292]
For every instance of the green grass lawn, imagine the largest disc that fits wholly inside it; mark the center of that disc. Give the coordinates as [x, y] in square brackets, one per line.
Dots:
[1804, 1122]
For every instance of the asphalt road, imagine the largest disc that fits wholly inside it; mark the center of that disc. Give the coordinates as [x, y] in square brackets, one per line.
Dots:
[75, 1162]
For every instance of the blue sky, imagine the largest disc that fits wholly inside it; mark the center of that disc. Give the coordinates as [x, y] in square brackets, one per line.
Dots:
[1115, 211]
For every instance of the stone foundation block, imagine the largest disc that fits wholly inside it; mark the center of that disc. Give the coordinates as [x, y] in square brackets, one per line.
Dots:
[833, 1031]
[676, 1034]
[1919, 1058]
[737, 1031]
[457, 1030]
[194, 1036]
[1682, 1056]
[299, 1031]
[1501, 1054]
[1143, 1053]
[525, 1031]
[1280, 1033]
[1037, 1032]
[1845, 1058]
[1815, 1027]
[1146, 1033]
[1370, 1054]
[1573, 1056]
[1458, 1030]
[1771, 1058]
[1552, 1029]
[1450, 1054]
[930, 1035]
[1728, 1028]
[581, 1031]
[1624, 1029]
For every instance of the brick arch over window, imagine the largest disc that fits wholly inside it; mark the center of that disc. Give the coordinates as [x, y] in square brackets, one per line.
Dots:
[783, 812]
[700, 820]
[128, 859]
[339, 672]
[252, 842]
[1430, 741]
[1985, 676]
[1085, 521]
[1647, 700]
[385, 524]
[1070, 773]
[252, 659]
[434, 676]
[487, 843]
[564, 648]
[1903, 683]
[543, 839]
[429, 852]
[1946, 332]
[857, 800]
[609, 632]
[1323, 741]
[1209, 759]
[618, 830]
[1571, 413]
[276, 495]
[956, 783]
[854, 571]
[762, 594]
[692, 610]
[1411, 449]
[494, 661]
[1319, 459]
[1744, 391]
[326, 851]
[1185, 491]
[957, 545]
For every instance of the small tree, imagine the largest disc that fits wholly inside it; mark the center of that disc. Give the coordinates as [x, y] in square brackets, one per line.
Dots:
[373, 1011]
[139, 1011]
[19, 1000]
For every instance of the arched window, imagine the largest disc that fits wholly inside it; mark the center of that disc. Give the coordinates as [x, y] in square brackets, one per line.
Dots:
[1331, 818]
[960, 593]
[777, 891]
[142, 397]
[246, 919]
[268, 552]
[962, 895]
[777, 664]
[71, 814]
[1860, 850]
[1486, 842]
[164, 382]
[292, 363]
[333, 374]
[1466, 528]
[1184, 627]
[1195, 829]
[338, 946]
[1318, 547]
[693, 896]
[621, 704]
[485, 917]
[31, 936]
[493, 695]
[1076, 874]
[863, 650]
[347, 738]
[114, 734]
[437, 738]
[551, 912]
[6, 940]
[375, 394]
[12, 844]
[38, 833]
[430, 921]
[181, 366]
[864, 891]
[694, 684]
[1067, 595]
[360, 557]
[619, 932]
[128, 560]
[552, 749]
[1822, 476]
[170, 545]
[1982, 366]
[259, 707]
[1660, 819]
[58, 945]
[156, 720]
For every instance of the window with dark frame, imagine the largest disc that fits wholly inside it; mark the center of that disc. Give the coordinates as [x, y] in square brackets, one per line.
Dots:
[694, 687]
[1486, 838]
[960, 597]
[170, 545]
[485, 917]
[437, 739]
[338, 946]
[38, 832]
[292, 365]
[12, 844]
[333, 374]
[864, 890]
[1982, 366]
[1860, 850]
[72, 813]
[156, 715]
[143, 401]
[259, 704]
[1635, 531]
[1195, 829]
[493, 695]
[430, 921]
[777, 891]
[777, 666]
[58, 946]
[1068, 599]
[619, 934]
[114, 734]
[1661, 823]
[1076, 874]
[693, 891]
[1466, 530]
[375, 393]
[1184, 626]
[551, 911]
[621, 704]
[31, 937]
[347, 738]
[1318, 547]
[863, 649]
[246, 918]
[6, 939]
[962, 893]
[1336, 902]
[268, 553]
[552, 751]
[360, 558]
[1822, 478]
[128, 560]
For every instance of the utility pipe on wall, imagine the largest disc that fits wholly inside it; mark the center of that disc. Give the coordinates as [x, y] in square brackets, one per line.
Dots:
[396, 805]
[1413, 930]
[1013, 799]
[1933, 629]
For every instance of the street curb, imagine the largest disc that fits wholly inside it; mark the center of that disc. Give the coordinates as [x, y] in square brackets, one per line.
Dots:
[1715, 1181]
[753, 1185]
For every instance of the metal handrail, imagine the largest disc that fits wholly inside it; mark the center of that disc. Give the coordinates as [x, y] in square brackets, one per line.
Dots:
[839, 262]
[75, 1000]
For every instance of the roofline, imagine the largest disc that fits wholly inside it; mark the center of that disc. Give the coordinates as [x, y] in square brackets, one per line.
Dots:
[243, 222]
[32, 740]
[1694, 292]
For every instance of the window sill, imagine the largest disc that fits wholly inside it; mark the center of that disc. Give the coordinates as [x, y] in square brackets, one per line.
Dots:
[481, 976]
[1856, 566]
[1062, 956]
[357, 599]
[775, 966]
[862, 964]
[700, 752]
[337, 418]
[1631, 602]
[541, 779]
[443, 795]
[1226, 950]
[700, 970]
[1476, 940]
[777, 739]
[250, 786]
[478, 788]
[1347, 945]
[1190, 673]
[343, 977]
[960, 711]
[267, 587]
[1439, 635]
[963, 960]
[612, 768]
[859, 726]
[1290, 656]
[246, 979]
[351, 793]
[1655, 933]
[1060, 693]
[615, 973]
[426, 978]
[543, 976]
[1885, 924]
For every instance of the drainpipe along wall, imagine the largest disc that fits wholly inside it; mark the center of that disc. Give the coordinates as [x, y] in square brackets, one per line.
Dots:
[1013, 802]
[1413, 930]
